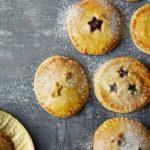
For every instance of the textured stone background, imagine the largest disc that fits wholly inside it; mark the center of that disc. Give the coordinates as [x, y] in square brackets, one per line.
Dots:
[32, 30]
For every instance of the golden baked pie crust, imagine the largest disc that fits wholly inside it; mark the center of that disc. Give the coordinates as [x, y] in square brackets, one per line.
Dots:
[16, 133]
[61, 86]
[121, 133]
[123, 101]
[140, 28]
[100, 41]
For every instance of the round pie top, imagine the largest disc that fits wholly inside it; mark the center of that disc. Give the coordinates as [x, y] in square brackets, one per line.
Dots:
[140, 28]
[121, 134]
[94, 26]
[122, 85]
[61, 86]
[13, 136]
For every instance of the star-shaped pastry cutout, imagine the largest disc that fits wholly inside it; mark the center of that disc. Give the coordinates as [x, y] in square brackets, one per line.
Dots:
[118, 140]
[57, 89]
[113, 88]
[95, 24]
[123, 72]
[132, 88]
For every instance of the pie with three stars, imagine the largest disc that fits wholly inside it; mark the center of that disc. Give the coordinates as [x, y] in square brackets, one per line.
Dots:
[94, 26]
[122, 85]
[61, 86]
[140, 28]
[121, 134]
[13, 136]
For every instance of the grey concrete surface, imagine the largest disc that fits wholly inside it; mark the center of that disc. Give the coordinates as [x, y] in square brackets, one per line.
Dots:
[32, 30]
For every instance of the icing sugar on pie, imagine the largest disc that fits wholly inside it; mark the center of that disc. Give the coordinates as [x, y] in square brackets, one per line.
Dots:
[121, 134]
[61, 86]
[94, 26]
[140, 28]
[122, 85]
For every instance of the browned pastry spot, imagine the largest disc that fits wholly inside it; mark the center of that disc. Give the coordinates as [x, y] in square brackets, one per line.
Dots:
[5, 142]
[57, 90]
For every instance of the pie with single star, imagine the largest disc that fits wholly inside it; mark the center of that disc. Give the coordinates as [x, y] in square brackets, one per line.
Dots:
[121, 134]
[94, 26]
[140, 28]
[122, 85]
[61, 86]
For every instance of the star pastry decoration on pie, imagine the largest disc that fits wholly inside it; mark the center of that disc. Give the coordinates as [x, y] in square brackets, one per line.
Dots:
[118, 140]
[57, 90]
[132, 88]
[95, 24]
[123, 72]
[113, 88]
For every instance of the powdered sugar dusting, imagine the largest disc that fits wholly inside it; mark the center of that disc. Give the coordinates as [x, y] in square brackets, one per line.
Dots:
[33, 30]
[134, 139]
[61, 19]
[84, 142]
